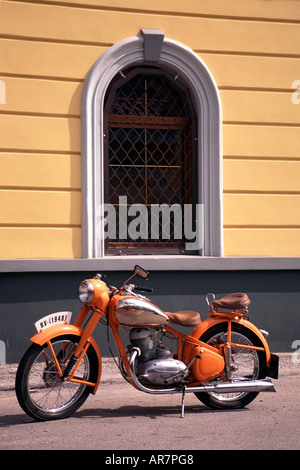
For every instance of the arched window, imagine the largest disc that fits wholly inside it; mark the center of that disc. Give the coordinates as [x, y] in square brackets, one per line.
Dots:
[123, 145]
[150, 161]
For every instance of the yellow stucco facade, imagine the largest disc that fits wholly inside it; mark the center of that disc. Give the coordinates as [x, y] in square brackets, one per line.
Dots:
[47, 48]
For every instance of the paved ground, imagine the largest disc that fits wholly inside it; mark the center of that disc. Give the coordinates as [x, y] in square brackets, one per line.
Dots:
[110, 372]
[119, 417]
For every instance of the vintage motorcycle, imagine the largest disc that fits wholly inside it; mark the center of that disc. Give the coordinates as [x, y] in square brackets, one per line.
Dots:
[224, 361]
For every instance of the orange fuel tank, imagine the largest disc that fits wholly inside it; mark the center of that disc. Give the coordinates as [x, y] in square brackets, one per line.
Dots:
[131, 311]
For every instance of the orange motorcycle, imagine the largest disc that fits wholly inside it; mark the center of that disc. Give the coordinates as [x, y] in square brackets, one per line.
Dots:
[224, 361]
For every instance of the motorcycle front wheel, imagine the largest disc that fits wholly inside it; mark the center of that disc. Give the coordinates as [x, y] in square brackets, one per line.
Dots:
[41, 393]
[246, 364]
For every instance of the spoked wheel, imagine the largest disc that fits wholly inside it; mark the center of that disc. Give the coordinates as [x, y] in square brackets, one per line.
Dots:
[246, 364]
[41, 392]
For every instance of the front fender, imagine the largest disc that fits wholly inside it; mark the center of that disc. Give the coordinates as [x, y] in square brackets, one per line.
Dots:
[57, 330]
[214, 320]
[60, 330]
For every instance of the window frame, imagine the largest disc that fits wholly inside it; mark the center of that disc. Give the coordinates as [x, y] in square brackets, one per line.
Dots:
[177, 59]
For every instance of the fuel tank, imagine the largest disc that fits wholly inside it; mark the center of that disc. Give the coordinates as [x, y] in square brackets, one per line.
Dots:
[133, 311]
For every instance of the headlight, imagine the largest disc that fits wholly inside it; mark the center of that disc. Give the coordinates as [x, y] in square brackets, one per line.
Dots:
[86, 292]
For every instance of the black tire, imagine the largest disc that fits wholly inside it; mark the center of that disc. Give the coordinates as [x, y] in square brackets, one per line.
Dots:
[40, 391]
[252, 366]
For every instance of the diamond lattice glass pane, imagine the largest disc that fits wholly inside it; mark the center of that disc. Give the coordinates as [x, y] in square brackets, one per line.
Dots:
[149, 161]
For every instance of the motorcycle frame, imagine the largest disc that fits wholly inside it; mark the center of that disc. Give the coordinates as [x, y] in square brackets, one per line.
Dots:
[86, 340]
[193, 339]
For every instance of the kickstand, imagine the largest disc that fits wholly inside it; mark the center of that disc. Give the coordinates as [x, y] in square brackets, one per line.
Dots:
[182, 402]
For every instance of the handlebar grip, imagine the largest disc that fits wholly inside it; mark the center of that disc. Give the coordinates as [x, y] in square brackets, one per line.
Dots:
[143, 289]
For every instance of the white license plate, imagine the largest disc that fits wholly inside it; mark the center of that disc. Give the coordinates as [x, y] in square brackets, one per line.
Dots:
[57, 318]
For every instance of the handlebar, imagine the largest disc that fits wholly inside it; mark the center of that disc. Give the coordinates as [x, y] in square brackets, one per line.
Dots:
[143, 289]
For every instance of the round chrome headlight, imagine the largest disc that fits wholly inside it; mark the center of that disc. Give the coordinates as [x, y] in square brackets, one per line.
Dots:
[86, 292]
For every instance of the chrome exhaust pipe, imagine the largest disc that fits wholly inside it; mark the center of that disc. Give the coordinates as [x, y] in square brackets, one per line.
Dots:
[262, 385]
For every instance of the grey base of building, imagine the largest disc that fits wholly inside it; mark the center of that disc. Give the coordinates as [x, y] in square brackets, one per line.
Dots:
[27, 296]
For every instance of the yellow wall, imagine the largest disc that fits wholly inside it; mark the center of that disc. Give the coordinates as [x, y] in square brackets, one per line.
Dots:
[252, 49]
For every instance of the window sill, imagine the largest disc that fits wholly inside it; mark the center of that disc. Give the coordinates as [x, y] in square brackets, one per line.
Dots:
[152, 263]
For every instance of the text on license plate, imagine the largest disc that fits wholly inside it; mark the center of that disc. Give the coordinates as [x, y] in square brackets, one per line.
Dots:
[57, 318]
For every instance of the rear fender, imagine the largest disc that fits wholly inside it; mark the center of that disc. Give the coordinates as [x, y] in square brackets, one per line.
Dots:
[60, 330]
[213, 320]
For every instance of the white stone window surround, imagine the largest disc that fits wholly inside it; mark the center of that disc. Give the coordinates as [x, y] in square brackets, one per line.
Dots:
[179, 60]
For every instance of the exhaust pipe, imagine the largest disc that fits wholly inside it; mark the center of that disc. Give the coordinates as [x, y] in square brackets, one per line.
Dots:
[262, 385]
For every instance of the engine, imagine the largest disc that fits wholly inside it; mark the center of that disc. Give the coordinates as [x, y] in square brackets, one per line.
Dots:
[155, 364]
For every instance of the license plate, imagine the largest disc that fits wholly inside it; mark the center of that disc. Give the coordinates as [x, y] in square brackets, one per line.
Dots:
[57, 318]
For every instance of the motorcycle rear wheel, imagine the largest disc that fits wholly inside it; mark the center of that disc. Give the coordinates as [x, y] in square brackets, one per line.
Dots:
[246, 364]
[40, 391]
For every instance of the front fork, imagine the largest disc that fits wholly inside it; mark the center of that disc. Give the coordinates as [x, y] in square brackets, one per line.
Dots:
[84, 343]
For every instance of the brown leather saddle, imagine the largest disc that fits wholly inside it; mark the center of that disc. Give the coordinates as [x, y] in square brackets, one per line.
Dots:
[184, 317]
[235, 301]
